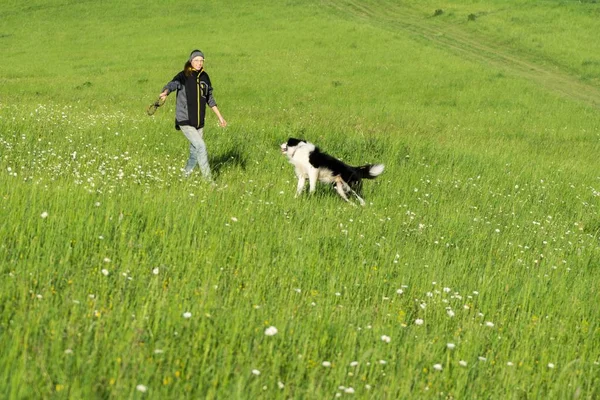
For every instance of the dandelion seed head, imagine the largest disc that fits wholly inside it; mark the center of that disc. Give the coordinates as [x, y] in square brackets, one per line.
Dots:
[255, 372]
[419, 321]
[187, 314]
[44, 214]
[386, 338]
[326, 364]
[438, 367]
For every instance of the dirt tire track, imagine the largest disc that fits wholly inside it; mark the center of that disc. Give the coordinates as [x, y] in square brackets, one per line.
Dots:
[390, 16]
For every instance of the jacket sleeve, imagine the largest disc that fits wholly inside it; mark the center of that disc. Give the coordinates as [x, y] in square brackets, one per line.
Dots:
[176, 83]
[210, 99]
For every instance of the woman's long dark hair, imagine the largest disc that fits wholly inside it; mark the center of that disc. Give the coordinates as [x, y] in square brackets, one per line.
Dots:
[187, 68]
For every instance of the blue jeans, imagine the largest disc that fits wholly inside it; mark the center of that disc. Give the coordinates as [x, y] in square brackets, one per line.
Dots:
[198, 154]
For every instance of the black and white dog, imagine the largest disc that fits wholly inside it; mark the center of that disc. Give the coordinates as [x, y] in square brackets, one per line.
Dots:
[315, 165]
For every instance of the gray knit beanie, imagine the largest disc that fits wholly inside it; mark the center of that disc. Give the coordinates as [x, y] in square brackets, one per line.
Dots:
[196, 53]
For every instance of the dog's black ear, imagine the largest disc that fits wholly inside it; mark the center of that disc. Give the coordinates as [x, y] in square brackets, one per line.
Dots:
[293, 142]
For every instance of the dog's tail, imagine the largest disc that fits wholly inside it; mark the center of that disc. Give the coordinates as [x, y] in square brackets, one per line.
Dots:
[370, 171]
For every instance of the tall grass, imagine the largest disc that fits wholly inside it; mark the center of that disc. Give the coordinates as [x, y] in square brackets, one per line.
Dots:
[471, 272]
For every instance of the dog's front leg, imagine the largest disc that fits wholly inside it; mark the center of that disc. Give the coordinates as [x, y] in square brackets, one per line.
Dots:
[300, 187]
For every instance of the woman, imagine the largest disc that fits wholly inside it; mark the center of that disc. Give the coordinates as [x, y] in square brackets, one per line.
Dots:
[194, 92]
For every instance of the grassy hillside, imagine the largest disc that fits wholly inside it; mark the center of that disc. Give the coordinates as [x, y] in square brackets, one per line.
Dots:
[470, 273]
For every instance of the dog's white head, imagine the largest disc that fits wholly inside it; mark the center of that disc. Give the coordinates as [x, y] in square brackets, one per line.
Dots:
[289, 148]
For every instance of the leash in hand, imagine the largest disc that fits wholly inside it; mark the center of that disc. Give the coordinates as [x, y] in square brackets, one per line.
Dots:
[154, 106]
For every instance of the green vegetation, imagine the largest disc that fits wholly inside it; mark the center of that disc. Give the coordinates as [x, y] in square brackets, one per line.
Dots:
[472, 272]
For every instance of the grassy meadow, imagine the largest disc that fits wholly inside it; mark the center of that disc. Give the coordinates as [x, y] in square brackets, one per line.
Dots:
[472, 271]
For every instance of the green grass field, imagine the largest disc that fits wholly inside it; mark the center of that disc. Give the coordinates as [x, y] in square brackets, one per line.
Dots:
[472, 272]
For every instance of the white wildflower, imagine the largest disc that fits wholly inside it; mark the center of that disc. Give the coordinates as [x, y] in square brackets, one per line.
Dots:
[141, 388]
[271, 331]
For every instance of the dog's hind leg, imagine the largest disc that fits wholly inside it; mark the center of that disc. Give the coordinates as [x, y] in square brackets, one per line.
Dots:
[339, 187]
[313, 176]
[360, 199]
[347, 188]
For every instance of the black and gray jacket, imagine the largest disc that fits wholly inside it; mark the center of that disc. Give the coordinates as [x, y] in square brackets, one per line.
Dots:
[194, 92]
